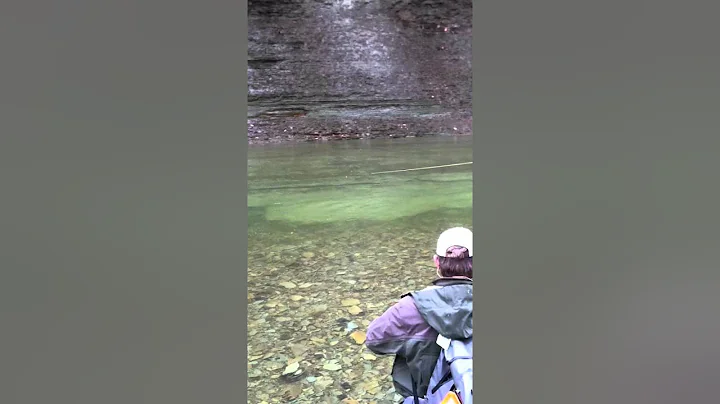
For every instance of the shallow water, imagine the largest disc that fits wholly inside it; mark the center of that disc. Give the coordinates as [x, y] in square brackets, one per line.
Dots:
[331, 247]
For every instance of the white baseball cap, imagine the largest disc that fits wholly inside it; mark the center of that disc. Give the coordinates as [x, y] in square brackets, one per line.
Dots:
[456, 236]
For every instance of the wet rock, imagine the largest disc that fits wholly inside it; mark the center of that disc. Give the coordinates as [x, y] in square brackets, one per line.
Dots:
[322, 382]
[350, 302]
[291, 368]
[292, 392]
[358, 337]
[354, 310]
[317, 309]
[332, 365]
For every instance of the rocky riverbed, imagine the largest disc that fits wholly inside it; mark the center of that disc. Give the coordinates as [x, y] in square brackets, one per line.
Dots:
[310, 300]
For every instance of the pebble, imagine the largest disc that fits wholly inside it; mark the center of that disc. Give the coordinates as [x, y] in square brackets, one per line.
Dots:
[354, 310]
[358, 336]
[332, 366]
[350, 302]
[291, 368]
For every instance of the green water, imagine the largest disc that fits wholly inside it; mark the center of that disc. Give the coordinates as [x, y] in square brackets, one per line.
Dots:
[323, 231]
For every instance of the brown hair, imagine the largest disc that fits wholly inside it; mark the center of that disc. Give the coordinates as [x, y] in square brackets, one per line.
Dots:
[456, 262]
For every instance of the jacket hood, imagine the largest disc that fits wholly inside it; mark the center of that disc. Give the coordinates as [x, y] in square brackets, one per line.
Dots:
[447, 307]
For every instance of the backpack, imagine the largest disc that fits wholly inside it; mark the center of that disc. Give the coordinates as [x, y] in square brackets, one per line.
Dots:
[453, 373]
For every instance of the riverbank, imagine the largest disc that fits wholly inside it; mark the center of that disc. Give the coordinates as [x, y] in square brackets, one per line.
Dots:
[299, 128]
[337, 137]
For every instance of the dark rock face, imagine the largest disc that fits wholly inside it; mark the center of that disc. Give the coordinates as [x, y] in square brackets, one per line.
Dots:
[339, 69]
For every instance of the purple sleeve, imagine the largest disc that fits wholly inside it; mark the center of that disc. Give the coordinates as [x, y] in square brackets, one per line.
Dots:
[388, 333]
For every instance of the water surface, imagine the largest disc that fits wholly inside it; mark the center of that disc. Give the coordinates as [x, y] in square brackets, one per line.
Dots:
[331, 247]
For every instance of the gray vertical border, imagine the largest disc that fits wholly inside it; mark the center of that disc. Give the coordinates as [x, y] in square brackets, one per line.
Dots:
[476, 144]
[595, 188]
[123, 202]
[243, 245]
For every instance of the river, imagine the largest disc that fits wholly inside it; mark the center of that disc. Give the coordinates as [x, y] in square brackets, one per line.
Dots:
[331, 246]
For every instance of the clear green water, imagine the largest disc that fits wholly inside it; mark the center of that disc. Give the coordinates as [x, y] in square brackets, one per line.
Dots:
[323, 231]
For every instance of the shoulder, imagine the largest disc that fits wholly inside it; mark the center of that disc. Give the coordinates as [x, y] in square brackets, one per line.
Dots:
[404, 310]
[406, 302]
[402, 319]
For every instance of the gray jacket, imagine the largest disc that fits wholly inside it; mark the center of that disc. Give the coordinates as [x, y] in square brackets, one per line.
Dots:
[410, 328]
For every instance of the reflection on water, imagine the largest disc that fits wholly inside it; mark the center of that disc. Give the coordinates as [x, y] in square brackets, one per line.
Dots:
[331, 247]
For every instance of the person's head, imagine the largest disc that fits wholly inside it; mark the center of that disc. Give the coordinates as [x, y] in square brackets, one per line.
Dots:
[453, 255]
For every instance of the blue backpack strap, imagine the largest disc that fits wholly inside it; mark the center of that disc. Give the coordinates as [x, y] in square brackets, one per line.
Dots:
[414, 387]
[446, 378]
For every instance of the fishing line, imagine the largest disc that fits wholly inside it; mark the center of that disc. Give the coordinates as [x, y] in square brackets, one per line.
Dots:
[422, 168]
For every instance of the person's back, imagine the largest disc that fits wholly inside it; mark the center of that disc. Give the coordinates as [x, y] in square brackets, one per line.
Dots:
[409, 329]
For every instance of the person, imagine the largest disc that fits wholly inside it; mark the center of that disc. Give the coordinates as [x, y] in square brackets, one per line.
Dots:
[409, 329]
